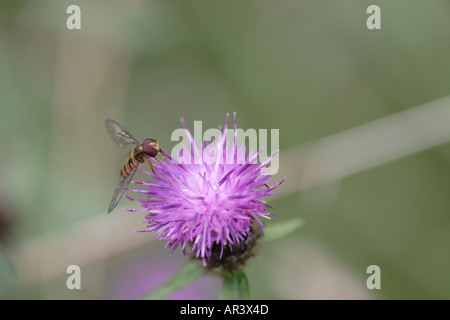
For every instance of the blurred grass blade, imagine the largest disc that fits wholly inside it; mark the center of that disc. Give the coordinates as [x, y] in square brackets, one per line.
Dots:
[7, 269]
[235, 287]
[281, 229]
[189, 272]
[8, 275]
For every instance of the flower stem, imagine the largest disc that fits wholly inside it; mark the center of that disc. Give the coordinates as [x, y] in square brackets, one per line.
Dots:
[235, 287]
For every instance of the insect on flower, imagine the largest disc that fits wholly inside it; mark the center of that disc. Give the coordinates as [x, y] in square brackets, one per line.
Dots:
[142, 151]
[213, 207]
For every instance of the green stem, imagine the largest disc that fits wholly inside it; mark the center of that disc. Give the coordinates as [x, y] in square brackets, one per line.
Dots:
[235, 287]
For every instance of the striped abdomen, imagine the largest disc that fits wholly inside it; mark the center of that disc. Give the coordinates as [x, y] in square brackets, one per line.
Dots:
[135, 159]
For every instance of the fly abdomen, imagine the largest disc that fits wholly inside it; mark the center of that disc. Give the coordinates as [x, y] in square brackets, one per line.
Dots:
[135, 159]
[129, 167]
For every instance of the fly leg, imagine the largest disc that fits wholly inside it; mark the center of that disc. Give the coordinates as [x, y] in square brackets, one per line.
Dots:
[151, 166]
[153, 169]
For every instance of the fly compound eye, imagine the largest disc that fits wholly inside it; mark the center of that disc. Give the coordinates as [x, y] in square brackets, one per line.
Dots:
[149, 147]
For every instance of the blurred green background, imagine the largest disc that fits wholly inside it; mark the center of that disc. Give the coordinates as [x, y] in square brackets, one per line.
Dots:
[309, 68]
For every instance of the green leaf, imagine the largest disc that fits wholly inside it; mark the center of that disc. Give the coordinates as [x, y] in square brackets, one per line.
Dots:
[281, 229]
[235, 287]
[189, 272]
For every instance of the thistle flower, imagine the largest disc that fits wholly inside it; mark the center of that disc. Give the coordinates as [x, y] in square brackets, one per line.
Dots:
[212, 206]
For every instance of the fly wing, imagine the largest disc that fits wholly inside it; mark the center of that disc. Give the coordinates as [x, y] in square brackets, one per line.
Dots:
[120, 189]
[119, 135]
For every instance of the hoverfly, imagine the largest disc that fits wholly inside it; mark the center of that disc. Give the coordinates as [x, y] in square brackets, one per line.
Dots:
[142, 151]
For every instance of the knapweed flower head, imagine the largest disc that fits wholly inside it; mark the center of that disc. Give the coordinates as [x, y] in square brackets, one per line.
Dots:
[208, 206]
